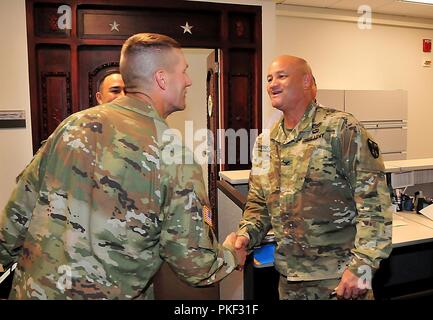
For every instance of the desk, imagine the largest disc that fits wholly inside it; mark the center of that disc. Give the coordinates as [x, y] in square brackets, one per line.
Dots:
[409, 172]
[403, 173]
[408, 271]
[418, 218]
[410, 228]
[394, 166]
[408, 165]
[235, 176]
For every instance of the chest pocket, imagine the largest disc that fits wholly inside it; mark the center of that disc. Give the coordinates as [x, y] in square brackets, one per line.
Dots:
[322, 163]
[294, 168]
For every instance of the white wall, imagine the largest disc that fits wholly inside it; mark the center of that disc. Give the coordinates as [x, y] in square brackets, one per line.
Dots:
[15, 144]
[382, 58]
[268, 47]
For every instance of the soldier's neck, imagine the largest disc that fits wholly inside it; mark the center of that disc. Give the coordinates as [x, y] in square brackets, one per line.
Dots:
[294, 114]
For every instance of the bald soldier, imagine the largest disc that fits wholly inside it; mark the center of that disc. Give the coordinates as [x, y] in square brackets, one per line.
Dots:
[318, 179]
[108, 197]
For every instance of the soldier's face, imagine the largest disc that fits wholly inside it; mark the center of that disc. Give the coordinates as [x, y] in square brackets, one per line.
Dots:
[178, 82]
[111, 88]
[285, 83]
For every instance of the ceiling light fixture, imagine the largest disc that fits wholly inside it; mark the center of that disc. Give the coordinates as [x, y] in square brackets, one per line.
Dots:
[418, 1]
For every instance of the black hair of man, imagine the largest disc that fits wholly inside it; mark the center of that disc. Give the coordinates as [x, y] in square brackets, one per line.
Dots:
[102, 79]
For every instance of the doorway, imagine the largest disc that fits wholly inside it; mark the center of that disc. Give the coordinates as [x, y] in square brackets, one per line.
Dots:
[192, 121]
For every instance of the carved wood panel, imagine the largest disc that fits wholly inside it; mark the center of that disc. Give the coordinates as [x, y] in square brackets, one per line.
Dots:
[54, 89]
[242, 28]
[93, 62]
[240, 115]
[120, 24]
[56, 100]
[46, 21]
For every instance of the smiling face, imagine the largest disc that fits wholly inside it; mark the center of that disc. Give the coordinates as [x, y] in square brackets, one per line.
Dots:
[287, 82]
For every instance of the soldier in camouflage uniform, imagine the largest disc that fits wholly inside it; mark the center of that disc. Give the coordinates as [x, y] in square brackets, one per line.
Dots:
[109, 196]
[318, 179]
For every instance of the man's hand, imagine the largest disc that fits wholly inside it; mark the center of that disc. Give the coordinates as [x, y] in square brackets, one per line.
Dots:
[242, 242]
[241, 253]
[348, 288]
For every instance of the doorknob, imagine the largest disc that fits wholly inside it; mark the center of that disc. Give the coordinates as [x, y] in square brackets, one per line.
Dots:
[210, 105]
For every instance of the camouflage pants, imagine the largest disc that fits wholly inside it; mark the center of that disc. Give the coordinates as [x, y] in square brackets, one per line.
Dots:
[311, 290]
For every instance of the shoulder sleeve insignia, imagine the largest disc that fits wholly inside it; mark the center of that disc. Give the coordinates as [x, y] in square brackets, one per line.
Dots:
[374, 148]
[207, 216]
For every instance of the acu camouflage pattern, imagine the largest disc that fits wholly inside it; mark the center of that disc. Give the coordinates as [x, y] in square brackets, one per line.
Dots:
[97, 211]
[324, 194]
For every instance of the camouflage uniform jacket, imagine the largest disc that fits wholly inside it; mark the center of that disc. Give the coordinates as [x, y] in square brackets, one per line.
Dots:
[98, 209]
[322, 188]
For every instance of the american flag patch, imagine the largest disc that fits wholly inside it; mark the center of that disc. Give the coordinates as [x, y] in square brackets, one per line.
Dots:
[207, 216]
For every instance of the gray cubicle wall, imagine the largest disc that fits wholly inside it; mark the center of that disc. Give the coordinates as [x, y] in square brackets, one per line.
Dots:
[382, 112]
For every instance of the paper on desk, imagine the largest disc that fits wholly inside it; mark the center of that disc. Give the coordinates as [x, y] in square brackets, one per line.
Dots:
[398, 222]
[428, 211]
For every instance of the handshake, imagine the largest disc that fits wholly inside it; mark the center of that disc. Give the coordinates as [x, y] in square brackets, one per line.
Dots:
[238, 244]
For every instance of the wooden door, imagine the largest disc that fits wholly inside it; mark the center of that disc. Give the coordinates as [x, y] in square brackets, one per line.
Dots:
[94, 62]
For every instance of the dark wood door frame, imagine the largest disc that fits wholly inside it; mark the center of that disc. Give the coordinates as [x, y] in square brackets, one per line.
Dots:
[213, 111]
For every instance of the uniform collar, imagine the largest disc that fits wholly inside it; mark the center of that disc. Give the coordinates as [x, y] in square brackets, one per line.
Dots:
[280, 135]
[138, 106]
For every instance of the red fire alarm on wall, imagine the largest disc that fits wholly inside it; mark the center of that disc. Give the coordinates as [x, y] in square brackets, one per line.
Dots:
[426, 45]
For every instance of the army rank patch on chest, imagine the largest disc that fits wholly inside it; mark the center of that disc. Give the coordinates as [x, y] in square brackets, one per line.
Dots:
[207, 216]
[374, 148]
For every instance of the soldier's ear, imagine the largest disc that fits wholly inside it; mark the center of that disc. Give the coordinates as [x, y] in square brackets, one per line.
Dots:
[160, 79]
[99, 97]
[307, 81]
